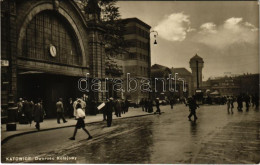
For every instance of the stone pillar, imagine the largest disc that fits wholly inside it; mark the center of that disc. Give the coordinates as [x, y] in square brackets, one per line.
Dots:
[96, 48]
[12, 53]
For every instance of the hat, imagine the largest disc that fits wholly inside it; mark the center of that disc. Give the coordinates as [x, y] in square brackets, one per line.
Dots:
[157, 98]
[111, 98]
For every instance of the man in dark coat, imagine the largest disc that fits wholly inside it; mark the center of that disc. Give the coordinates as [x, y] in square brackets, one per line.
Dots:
[126, 105]
[157, 106]
[192, 106]
[118, 108]
[146, 105]
[104, 110]
[92, 107]
[239, 103]
[171, 103]
[60, 111]
[26, 113]
[38, 114]
[122, 107]
[109, 111]
[247, 100]
[150, 105]
[142, 103]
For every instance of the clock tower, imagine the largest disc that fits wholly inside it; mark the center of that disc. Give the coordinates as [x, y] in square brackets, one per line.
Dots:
[196, 65]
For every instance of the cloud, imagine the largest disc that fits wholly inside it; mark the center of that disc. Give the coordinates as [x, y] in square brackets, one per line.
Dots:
[174, 27]
[208, 28]
[232, 31]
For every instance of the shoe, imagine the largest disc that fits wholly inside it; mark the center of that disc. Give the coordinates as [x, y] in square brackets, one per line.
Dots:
[65, 121]
[72, 138]
[90, 137]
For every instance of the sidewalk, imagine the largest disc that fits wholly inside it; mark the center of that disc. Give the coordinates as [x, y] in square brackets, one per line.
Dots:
[49, 124]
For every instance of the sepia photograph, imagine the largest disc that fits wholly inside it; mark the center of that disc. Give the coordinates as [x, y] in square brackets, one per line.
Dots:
[130, 82]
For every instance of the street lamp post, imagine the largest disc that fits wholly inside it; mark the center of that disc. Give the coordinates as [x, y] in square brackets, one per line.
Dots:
[155, 35]
[149, 50]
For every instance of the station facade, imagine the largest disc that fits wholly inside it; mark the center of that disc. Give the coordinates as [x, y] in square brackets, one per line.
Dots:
[47, 45]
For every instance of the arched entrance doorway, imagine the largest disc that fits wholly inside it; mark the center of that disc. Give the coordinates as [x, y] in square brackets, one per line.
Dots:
[50, 61]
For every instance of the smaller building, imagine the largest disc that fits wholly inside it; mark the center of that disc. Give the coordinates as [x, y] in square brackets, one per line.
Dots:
[181, 83]
[233, 86]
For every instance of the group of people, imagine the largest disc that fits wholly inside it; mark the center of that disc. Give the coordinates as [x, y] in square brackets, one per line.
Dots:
[29, 111]
[118, 106]
[147, 105]
[250, 100]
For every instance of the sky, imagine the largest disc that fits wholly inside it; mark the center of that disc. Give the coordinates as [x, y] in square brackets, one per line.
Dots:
[224, 33]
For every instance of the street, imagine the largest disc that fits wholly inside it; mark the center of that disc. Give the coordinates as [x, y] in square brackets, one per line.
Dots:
[216, 137]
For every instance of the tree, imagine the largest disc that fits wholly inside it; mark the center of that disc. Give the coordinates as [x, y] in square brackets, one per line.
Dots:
[113, 25]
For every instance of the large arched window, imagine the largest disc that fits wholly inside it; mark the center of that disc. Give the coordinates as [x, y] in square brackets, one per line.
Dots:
[47, 31]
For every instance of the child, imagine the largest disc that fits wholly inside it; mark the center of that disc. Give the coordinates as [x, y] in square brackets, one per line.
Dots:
[80, 116]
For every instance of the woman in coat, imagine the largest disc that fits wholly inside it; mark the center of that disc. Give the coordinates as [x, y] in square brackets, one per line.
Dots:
[38, 114]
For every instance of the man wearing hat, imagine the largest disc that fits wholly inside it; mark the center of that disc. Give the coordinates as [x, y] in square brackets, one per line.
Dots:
[192, 106]
[109, 110]
[60, 111]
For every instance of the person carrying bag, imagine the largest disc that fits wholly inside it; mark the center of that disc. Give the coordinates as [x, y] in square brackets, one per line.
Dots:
[80, 116]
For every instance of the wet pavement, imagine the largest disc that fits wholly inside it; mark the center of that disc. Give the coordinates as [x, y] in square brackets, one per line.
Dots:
[216, 137]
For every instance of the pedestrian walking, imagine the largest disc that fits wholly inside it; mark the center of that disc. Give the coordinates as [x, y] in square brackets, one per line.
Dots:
[92, 107]
[157, 103]
[146, 105]
[192, 107]
[117, 108]
[126, 105]
[142, 104]
[247, 101]
[104, 110]
[256, 101]
[171, 102]
[20, 108]
[229, 104]
[80, 116]
[150, 105]
[239, 103]
[122, 107]
[38, 113]
[60, 111]
[25, 117]
[232, 103]
[109, 111]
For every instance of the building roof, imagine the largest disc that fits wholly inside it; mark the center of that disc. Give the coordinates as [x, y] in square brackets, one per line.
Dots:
[160, 71]
[127, 20]
[196, 57]
[158, 66]
[181, 71]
